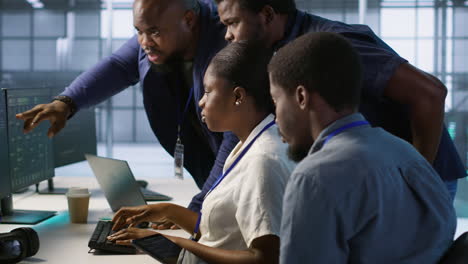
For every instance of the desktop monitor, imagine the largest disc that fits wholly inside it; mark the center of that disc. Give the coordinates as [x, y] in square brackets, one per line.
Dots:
[77, 138]
[457, 126]
[71, 144]
[30, 156]
[5, 186]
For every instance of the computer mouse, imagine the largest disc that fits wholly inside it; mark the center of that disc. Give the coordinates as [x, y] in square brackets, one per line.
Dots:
[142, 183]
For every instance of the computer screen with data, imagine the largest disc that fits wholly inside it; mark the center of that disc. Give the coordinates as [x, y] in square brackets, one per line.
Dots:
[5, 187]
[31, 154]
[70, 145]
[77, 138]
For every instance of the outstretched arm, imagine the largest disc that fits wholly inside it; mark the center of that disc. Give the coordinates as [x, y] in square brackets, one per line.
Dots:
[108, 77]
[105, 79]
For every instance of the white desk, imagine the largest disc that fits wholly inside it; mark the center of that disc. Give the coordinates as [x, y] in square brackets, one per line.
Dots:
[62, 242]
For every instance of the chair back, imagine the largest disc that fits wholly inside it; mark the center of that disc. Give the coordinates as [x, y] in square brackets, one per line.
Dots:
[458, 252]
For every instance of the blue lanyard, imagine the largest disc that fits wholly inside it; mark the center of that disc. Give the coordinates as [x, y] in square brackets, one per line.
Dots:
[343, 128]
[182, 117]
[223, 175]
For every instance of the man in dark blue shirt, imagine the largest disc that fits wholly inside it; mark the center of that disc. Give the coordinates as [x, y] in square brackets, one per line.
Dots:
[396, 96]
[175, 42]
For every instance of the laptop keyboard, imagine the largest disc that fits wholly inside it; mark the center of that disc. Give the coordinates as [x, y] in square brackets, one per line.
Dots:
[154, 196]
[99, 240]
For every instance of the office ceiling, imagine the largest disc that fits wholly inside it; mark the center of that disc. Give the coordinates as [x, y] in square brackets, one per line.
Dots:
[51, 4]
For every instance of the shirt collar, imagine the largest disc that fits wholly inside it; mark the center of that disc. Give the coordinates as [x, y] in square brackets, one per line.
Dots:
[293, 25]
[318, 143]
[258, 128]
[241, 145]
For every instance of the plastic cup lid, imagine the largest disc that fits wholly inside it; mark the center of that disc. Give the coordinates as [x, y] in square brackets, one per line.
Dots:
[78, 192]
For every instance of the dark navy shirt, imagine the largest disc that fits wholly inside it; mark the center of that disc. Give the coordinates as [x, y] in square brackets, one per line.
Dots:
[164, 97]
[379, 64]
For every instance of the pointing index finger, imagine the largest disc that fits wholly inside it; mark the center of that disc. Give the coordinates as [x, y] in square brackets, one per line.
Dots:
[28, 114]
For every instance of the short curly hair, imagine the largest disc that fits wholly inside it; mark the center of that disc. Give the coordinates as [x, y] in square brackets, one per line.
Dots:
[323, 62]
[280, 6]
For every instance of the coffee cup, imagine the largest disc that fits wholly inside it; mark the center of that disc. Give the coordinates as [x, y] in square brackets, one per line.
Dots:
[78, 203]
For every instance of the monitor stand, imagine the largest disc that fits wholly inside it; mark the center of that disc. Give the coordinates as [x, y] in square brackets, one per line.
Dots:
[50, 188]
[22, 217]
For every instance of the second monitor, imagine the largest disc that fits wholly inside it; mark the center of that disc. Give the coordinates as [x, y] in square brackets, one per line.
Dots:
[77, 138]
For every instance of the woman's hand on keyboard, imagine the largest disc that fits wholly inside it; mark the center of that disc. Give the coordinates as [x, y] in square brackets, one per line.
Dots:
[164, 225]
[126, 235]
[131, 216]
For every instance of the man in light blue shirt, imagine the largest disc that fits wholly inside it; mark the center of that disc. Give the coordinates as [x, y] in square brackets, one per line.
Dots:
[360, 194]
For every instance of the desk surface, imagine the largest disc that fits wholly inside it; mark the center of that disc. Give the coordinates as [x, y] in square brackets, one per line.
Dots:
[63, 242]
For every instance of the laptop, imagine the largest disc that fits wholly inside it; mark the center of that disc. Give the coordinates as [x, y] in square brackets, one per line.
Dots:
[118, 184]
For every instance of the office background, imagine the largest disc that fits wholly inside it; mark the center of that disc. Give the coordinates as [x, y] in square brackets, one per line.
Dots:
[49, 42]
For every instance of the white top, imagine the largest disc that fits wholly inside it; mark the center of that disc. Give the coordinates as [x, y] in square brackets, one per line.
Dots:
[247, 204]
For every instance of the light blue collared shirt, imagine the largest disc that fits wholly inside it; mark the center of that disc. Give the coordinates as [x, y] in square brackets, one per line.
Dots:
[365, 197]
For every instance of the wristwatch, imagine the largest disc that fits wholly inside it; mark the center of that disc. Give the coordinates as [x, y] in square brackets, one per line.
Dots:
[69, 102]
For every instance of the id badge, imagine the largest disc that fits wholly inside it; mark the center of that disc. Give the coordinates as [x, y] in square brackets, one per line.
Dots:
[179, 160]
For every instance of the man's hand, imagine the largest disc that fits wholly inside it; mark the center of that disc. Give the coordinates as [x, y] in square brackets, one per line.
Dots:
[126, 235]
[56, 112]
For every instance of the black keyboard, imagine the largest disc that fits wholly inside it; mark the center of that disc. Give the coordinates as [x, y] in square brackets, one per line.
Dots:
[154, 196]
[99, 240]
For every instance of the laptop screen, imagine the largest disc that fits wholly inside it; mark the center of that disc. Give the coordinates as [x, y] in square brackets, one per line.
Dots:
[117, 182]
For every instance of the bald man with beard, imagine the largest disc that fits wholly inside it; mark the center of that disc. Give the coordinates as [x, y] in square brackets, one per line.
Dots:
[168, 56]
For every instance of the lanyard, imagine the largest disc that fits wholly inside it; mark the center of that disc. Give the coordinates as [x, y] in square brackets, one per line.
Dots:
[181, 116]
[223, 175]
[344, 128]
